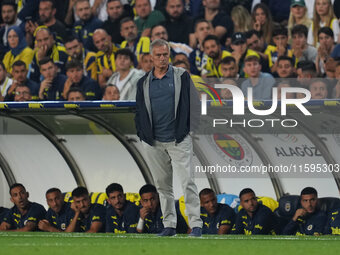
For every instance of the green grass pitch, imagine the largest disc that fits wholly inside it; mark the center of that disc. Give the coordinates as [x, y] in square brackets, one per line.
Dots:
[98, 244]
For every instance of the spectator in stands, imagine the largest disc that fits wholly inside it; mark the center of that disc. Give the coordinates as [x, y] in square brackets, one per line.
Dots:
[18, 49]
[323, 17]
[19, 76]
[319, 89]
[76, 51]
[222, 24]
[241, 19]
[52, 87]
[226, 93]
[202, 29]
[145, 62]
[146, 17]
[47, 12]
[86, 217]
[58, 214]
[213, 57]
[326, 46]
[105, 56]
[9, 18]
[307, 220]
[177, 23]
[24, 215]
[261, 83]
[116, 11]
[75, 94]
[22, 93]
[285, 84]
[150, 214]
[76, 78]
[333, 225]
[125, 77]
[47, 47]
[280, 47]
[159, 32]
[254, 218]
[255, 42]
[301, 49]
[5, 82]
[229, 68]
[111, 92]
[298, 16]
[336, 90]
[28, 9]
[263, 21]
[285, 67]
[137, 44]
[121, 216]
[87, 24]
[217, 218]
[240, 51]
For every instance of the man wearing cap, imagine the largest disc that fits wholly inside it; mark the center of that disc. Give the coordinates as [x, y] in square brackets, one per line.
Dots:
[241, 51]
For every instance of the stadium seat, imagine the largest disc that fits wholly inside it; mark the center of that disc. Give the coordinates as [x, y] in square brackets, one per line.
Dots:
[328, 204]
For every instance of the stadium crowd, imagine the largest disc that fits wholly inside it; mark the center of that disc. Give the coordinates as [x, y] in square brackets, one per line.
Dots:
[142, 214]
[98, 49]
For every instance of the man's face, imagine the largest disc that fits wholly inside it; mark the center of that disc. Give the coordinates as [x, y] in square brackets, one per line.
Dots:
[159, 32]
[174, 8]
[143, 8]
[46, 12]
[49, 70]
[239, 47]
[83, 203]
[249, 202]
[123, 62]
[3, 74]
[74, 48]
[280, 40]
[75, 74]
[181, 57]
[160, 56]
[117, 200]
[146, 63]
[326, 41]
[111, 93]
[8, 14]
[19, 74]
[211, 4]
[101, 41]
[114, 10]
[285, 69]
[83, 10]
[43, 38]
[229, 70]
[19, 197]
[299, 40]
[309, 202]
[55, 201]
[202, 30]
[150, 201]
[212, 49]
[318, 90]
[129, 31]
[22, 94]
[252, 68]
[254, 43]
[209, 202]
[75, 96]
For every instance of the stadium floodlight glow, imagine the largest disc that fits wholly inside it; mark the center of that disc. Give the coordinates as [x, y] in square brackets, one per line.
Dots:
[238, 100]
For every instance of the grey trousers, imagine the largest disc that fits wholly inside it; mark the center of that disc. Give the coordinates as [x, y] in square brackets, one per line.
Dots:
[163, 159]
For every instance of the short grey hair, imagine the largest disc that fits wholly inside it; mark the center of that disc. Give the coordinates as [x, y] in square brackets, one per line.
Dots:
[159, 43]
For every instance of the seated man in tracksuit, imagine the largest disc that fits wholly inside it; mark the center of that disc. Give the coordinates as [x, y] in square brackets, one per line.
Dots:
[217, 218]
[254, 218]
[307, 220]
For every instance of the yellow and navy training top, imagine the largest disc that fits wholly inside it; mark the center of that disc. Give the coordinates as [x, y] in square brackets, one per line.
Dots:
[333, 225]
[263, 222]
[62, 219]
[16, 220]
[272, 54]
